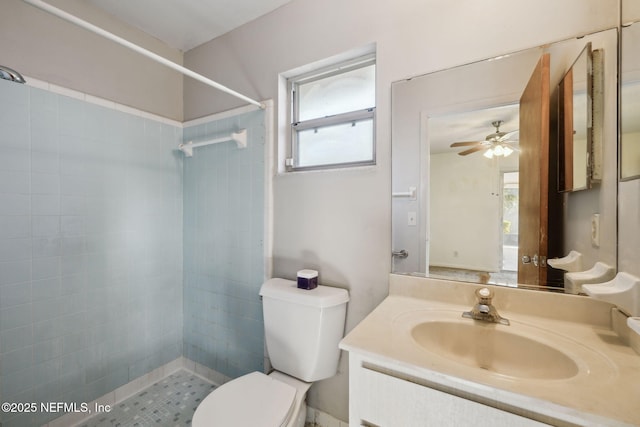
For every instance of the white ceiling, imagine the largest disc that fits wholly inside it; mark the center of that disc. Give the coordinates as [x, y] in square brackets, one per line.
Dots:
[185, 24]
[469, 126]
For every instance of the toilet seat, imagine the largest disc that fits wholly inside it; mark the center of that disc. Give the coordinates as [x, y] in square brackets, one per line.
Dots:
[254, 399]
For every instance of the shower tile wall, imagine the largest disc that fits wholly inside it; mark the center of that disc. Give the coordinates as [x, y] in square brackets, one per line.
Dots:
[223, 247]
[90, 248]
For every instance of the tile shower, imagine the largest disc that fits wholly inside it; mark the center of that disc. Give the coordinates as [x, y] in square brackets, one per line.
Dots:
[223, 247]
[116, 254]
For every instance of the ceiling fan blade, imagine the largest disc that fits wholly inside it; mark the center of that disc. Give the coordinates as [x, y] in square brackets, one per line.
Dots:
[508, 135]
[471, 150]
[465, 143]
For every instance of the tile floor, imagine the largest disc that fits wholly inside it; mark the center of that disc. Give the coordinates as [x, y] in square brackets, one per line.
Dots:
[169, 402]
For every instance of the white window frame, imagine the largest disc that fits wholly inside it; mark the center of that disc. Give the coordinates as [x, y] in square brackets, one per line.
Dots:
[342, 118]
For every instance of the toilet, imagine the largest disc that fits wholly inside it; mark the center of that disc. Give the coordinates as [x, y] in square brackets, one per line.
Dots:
[302, 331]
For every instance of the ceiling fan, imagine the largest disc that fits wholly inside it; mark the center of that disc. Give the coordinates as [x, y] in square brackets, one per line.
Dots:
[495, 144]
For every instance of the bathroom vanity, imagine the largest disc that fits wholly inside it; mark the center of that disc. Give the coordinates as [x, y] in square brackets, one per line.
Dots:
[416, 361]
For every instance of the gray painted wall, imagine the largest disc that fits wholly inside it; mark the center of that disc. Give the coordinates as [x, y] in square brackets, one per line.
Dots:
[40, 45]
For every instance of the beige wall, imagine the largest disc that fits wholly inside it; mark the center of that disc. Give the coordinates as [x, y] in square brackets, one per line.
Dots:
[340, 221]
[40, 45]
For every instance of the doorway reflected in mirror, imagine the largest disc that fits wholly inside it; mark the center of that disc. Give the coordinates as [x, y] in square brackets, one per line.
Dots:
[473, 203]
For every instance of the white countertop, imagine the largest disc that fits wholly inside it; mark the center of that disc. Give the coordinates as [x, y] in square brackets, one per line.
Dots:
[606, 391]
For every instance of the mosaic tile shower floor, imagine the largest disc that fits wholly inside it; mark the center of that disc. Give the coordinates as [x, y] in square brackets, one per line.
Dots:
[170, 402]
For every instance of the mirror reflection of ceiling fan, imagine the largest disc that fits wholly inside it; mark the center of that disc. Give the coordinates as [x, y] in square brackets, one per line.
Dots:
[495, 144]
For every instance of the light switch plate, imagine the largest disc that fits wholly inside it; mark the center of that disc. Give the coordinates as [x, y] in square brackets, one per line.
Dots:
[595, 230]
[412, 219]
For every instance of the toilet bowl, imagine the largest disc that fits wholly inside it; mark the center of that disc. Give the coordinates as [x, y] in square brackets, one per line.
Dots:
[255, 399]
[302, 331]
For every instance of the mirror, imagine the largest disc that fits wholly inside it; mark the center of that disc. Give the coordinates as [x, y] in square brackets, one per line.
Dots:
[460, 217]
[575, 101]
[469, 182]
[630, 102]
[629, 185]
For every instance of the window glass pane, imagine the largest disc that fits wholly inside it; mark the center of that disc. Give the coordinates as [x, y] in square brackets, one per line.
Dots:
[350, 91]
[343, 143]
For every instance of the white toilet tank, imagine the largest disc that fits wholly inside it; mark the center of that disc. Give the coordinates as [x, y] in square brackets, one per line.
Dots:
[303, 328]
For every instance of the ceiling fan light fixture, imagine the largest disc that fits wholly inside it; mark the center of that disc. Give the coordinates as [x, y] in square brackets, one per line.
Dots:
[496, 144]
[498, 150]
[507, 151]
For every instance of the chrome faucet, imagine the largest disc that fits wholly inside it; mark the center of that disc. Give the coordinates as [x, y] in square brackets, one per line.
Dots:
[484, 310]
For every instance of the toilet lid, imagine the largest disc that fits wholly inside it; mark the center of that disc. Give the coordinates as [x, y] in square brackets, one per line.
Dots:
[252, 400]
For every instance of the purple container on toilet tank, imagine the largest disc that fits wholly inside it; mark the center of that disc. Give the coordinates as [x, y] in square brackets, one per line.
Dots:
[307, 279]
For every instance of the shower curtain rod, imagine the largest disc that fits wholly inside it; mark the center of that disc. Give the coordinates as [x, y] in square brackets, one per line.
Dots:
[187, 72]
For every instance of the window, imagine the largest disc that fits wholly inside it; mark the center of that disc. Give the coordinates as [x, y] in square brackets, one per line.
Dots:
[332, 116]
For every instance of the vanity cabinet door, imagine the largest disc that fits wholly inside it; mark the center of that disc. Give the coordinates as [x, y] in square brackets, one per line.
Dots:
[383, 400]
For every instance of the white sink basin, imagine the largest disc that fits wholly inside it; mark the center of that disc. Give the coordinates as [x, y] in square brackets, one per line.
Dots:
[520, 351]
[493, 347]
